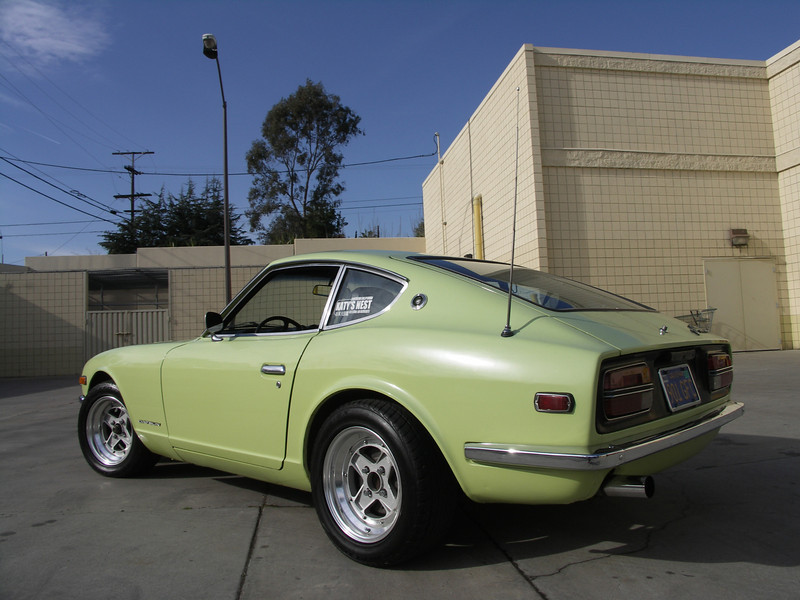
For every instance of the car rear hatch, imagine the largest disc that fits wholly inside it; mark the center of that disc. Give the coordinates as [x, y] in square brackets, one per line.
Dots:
[662, 369]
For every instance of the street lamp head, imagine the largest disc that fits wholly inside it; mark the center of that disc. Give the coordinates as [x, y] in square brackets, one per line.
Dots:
[210, 45]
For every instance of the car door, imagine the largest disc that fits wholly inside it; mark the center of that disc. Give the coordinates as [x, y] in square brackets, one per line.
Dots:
[227, 395]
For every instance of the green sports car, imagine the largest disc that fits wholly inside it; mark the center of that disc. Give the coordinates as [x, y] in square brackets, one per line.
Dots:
[387, 384]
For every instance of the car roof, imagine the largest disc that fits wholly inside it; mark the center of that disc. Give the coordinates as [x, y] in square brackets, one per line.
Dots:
[376, 258]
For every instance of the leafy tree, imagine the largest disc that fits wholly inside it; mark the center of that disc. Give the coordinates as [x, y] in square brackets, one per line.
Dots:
[419, 228]
[185, 220]
[296, 165]
[372, 232]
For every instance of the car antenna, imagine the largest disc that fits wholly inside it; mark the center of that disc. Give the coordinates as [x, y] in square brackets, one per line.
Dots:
[507, 332]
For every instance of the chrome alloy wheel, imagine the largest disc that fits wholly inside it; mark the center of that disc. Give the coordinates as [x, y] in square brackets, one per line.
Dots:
[108, 431]
[361, 484]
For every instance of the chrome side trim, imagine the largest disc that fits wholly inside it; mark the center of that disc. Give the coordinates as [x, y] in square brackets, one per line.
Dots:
[605, 458]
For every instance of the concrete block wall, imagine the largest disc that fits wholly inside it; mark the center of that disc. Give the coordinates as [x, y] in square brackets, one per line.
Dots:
[784, 73]
[482, 161]
[194, 292]
[44, 319]
[44, 307]
[645, 234]
[649, 162]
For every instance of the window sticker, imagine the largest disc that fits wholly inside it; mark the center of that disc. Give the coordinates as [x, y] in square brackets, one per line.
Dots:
[358, 305]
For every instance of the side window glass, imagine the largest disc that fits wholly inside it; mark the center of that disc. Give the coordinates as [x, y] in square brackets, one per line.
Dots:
[287, 300]
[362, 295]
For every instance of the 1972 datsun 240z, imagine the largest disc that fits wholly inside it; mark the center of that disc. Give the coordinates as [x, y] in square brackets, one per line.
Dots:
[385, 384]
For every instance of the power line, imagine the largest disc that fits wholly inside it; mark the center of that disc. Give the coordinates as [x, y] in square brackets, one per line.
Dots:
[46, 116]
[42, 164]
[381, 199]
[56, 233]
[387, 160]
[63, 93]
[383, 206]
[49, 223]
[56, 200]
[71, 192]
[75, 194]
[242, 173]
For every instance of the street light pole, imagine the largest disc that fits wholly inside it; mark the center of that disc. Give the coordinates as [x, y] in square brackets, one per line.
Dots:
[210, 51]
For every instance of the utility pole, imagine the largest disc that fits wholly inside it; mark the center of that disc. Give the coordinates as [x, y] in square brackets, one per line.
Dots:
[133, 195]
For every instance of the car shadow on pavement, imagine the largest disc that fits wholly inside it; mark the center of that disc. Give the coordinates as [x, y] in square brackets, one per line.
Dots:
[169, 469]
[729, 505]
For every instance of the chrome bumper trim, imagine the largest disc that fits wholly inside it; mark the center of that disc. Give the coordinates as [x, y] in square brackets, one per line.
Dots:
[605, 458]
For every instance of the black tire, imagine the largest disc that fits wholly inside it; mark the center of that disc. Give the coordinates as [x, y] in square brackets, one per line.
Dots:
[107, 438]
[381, 488]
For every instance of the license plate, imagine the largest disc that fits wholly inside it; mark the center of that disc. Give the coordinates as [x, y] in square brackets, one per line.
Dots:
[679, 387]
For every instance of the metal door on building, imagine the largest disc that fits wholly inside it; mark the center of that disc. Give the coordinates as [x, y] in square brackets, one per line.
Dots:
[745, 293]
[116, 328]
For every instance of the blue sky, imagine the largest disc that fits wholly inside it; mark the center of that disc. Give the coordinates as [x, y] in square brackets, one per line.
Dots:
[81, 80]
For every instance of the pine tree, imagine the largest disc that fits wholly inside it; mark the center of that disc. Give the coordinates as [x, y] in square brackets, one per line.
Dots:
[185, 220]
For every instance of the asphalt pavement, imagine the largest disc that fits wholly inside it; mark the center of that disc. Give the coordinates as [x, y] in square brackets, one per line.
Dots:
[724, 525]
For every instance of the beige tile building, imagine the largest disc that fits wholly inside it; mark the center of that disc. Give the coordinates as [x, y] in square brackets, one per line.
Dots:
[632, 173]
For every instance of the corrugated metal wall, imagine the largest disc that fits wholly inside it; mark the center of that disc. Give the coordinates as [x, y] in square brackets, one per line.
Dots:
[115, 328]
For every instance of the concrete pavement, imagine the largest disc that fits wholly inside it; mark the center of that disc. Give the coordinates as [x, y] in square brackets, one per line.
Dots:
[721, 526]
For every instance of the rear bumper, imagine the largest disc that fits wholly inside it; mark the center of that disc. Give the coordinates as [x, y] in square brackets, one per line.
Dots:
[605, 458]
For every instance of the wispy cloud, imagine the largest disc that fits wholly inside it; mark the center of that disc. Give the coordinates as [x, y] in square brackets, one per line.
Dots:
[10, 100]
[43, 136]
[48, 32]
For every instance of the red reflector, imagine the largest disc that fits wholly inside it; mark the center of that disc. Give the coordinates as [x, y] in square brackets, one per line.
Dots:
[553, 403]
[82, 380]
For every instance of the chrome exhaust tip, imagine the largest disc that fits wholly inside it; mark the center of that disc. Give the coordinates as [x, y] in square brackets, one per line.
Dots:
[629, 487]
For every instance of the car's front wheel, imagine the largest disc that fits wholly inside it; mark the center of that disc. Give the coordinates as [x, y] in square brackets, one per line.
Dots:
[379, 484]
[106, 436]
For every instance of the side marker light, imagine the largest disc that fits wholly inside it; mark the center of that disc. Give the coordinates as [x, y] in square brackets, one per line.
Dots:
[554, 403]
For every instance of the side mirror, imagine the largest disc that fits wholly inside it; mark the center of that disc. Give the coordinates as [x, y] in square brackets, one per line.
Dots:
[213, 322]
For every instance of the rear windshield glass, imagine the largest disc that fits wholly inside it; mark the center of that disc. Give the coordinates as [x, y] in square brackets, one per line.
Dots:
[541, 289]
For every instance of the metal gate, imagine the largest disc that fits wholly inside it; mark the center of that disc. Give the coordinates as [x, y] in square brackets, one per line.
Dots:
[115, 328]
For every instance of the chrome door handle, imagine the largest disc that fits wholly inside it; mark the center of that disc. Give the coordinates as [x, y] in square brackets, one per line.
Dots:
[273, 369]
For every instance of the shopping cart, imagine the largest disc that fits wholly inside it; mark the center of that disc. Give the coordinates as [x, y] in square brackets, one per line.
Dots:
[700, 320]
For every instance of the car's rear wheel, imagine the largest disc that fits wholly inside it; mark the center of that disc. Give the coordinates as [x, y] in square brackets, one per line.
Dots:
[379, 484]
[107, 439]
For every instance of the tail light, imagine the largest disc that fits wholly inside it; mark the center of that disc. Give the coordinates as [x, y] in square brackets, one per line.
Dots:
[627, 391]
[720, 373]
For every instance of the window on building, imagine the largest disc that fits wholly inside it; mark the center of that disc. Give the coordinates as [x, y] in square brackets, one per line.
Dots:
[139, 289]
